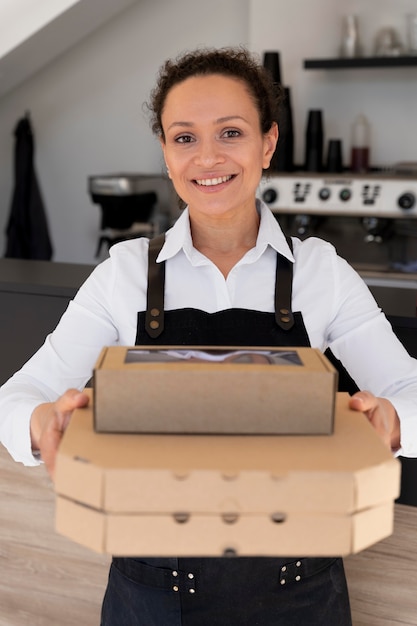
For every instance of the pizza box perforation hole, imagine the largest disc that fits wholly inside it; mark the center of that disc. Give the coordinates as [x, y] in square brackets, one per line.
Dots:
[181, 517]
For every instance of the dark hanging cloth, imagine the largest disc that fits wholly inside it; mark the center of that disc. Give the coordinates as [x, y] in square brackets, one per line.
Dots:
[27, 228]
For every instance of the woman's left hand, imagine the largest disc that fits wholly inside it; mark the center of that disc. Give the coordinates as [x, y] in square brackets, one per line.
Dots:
[382, 415]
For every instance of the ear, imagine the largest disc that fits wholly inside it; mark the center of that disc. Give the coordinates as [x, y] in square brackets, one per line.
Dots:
[270, 143]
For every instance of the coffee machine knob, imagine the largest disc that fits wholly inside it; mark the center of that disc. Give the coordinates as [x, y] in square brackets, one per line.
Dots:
[345, 194]
[270, 195]
[407, 200]
[324, 193]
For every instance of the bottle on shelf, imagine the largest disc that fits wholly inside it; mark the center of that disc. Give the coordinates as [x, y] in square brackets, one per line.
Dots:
[351, 46]
[360, 147]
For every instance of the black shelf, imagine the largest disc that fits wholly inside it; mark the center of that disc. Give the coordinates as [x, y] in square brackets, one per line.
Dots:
[360, 62]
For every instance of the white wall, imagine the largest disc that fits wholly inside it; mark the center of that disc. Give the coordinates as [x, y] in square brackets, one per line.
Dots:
[86, 109]
[303, 29]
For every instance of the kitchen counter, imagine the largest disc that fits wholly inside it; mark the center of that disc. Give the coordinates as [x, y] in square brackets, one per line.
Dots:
[395, 292]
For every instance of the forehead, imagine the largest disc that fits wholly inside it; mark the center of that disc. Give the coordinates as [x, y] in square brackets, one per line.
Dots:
[209, 94]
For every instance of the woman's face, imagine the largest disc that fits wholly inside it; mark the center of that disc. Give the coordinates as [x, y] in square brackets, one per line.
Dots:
[214, 147]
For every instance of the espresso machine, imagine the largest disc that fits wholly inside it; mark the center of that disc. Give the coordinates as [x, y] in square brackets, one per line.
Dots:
[132, 205]
[371, 219]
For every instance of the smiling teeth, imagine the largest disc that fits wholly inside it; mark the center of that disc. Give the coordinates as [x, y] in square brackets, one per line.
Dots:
[209, 182]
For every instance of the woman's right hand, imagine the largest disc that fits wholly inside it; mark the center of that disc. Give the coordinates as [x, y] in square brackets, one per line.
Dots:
[49, 421]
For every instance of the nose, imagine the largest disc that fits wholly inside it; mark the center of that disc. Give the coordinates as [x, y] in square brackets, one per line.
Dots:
[208, 153]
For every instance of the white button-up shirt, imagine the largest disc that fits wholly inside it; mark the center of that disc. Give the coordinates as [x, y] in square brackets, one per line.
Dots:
[337, 307]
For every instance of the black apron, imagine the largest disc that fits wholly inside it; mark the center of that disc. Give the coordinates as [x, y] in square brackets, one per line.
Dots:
[229, 590]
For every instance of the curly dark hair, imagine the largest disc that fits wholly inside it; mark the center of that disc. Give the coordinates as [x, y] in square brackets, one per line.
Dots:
[234, 62]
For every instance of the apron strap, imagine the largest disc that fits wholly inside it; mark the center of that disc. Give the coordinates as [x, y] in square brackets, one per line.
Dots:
[154, 319]
[283, 291]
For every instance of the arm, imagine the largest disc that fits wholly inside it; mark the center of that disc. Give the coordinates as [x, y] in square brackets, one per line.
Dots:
[340, 312]
[65, 361]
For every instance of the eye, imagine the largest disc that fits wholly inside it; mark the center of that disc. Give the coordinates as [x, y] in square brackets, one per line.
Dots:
[184, 139]
[231, 132]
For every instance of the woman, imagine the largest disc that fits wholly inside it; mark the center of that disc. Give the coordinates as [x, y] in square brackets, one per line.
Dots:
[214, 113]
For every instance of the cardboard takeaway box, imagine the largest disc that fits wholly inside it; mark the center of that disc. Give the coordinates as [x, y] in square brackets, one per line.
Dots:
[177, 389]
[210, 495]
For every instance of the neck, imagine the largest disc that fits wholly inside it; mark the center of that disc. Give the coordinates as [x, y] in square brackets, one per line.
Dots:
[225, 241]
[225, 235]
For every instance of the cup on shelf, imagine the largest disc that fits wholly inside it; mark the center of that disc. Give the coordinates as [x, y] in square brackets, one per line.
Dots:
[314, 141]
[334, 160]
[271, 63]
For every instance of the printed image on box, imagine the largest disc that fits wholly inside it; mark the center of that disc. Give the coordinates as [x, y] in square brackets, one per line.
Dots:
[261, 357]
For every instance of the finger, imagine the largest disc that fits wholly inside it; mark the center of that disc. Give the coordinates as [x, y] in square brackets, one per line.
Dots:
[49, 444]
[67, 403]
[70, 400]
[55, 428]
[375, 410]
[363, 401]
[380, 425]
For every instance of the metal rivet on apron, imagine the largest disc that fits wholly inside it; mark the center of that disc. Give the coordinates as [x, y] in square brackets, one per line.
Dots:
[283, 319]
[284, 568]
[284, 311]
[282, 582]
[191, 590]
[156, 312]
[175, 573]
[175, 588]
[298, 564]
[154, 324]
[190, 575]
[297, 578]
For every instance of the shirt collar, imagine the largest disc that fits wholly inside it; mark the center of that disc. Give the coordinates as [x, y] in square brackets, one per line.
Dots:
[179, 236]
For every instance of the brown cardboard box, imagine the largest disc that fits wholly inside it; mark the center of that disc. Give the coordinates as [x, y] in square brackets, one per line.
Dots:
[155, 495]
[199, 396]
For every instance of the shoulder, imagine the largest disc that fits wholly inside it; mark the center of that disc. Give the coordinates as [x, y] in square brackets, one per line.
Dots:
[125, 266]
[318, 260]
[313, 248]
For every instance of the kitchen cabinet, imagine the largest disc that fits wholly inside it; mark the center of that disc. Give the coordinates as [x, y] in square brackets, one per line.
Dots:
[33, 296]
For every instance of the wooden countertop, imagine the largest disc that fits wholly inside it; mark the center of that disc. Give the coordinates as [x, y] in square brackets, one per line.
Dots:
[382, 579]
[47, 580]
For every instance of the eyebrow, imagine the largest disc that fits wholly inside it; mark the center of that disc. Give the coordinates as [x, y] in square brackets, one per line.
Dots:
[220, 120]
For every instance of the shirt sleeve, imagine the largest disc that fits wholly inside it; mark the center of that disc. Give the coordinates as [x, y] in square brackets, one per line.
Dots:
[346, 317]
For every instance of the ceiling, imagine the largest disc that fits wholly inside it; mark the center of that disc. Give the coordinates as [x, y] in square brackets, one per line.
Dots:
[35, 38]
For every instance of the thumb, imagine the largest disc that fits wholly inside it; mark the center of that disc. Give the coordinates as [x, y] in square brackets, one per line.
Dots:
[72, 399]
[362, 401]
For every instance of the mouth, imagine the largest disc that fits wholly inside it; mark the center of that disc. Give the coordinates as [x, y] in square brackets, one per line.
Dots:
[213, 182]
